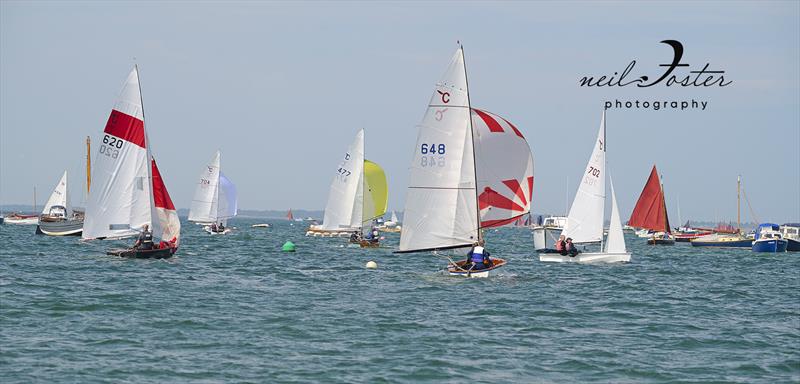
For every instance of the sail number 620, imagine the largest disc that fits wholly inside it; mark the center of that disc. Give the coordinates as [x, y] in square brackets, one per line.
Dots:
[433, 149]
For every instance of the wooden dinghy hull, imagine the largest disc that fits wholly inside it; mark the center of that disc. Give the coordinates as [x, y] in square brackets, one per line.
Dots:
[460, 270]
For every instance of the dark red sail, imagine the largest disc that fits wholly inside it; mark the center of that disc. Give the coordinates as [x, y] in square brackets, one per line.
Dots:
[650, 211]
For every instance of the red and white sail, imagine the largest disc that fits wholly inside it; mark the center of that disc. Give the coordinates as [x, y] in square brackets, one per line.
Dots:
[120, 198]
[167, 227]
[504, 167]
[441, 204]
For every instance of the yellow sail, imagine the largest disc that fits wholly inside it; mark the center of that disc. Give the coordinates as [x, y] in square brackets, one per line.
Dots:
[376, 191]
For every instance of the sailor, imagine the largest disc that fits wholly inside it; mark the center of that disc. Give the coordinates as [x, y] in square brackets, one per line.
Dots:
[373, 235]
[570, 248]
[478, 257]
[213, 227]
[145, 240]
[355, 237]
[220, 227]
[561, 246]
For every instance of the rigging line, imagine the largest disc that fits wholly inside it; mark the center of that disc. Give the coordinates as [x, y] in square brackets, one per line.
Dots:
[753, 214]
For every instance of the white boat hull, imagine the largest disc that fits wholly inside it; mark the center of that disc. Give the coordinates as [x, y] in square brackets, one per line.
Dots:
[586, 258]
[25, 221]
[224, 232]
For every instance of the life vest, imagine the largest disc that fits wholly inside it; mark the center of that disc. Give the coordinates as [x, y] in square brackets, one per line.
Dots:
[148, 237]
[560, 245]
[477, 255]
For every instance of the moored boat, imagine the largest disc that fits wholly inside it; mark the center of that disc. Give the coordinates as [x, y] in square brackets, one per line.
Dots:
[58, 218]
[769, 239]
[726, 235]
[791, 233]
[20, 219]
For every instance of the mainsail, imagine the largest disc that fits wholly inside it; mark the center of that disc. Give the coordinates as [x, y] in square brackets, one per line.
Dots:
[120, 200]
[441, 209]
[650, 211]
[215, 195]
[59, 197]
[504, 169]
[585, 218]
[342, 212]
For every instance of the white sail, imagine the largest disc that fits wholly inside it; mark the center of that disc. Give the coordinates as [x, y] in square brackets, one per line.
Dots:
[120, 198]
[345, 197]
[441, 204]
[58, 197]
[504, 167]
[585, 219]
[394, 217]
[228, 206]
[615, 243]
[204, 204]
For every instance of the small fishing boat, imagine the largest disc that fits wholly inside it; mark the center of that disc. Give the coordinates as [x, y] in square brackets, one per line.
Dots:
[650, 212]
[471, 170]
[58, 217]
[214, 199]
[769, 239]
[129, 192]
[358, 194]
[791, 233]
[584, 224]
[262, 225]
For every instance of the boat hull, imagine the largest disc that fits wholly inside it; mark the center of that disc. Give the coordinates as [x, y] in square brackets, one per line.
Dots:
[21, 221]
[60, 228]
[743, 243]
[770, 246]
[586, 258]
[159, 253]
[793, 245]
[463, 272]
[369, 244]
[224, 231]
[661, 241]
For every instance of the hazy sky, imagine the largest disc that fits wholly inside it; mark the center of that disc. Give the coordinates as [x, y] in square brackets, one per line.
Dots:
[282, 88]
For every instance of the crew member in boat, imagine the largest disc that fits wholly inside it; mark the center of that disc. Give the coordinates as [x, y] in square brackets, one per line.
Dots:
[373, 235]
[145, 240]
[478, 257]
[213, 227]
[355, 237]
[570, 248]
[561, 245]
[221, 227]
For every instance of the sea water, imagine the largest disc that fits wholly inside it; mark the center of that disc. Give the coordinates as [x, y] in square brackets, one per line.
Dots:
[234, 308]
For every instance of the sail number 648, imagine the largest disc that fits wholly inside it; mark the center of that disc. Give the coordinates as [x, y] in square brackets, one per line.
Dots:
[433, 149]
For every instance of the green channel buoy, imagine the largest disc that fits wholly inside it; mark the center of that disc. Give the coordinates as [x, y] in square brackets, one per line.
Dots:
[288, 247]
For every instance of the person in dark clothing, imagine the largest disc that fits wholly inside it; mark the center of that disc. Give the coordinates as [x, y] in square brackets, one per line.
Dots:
[145, 240]
[570, 248]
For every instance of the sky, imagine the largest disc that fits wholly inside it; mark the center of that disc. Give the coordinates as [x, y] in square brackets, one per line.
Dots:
[281, 88]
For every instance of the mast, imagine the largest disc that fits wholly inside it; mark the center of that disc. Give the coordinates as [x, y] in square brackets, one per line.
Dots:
[88, 164]
[605, 170]
[472, 140]
[34, 199]
[664, 204]
[738, 206]
[148, 156]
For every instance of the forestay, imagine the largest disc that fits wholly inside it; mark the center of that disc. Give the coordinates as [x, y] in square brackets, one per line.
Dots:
[585, 218]
[341, 212]
[504, 166]
[120, 198]
[441, 206]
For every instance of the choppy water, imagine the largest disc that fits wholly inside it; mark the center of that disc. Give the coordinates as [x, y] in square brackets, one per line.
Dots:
[235, 309]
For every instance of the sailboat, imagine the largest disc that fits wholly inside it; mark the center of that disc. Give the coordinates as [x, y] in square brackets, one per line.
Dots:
[129, 191]
[650, 212]
[214, 199]
[58, 218]
[20, 219]
[471, 170]
[585, 219]
[727, 240]
[358, 194]
[393, 225]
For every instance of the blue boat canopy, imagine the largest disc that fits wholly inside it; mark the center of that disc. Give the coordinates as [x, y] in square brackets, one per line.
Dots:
[774, 227]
